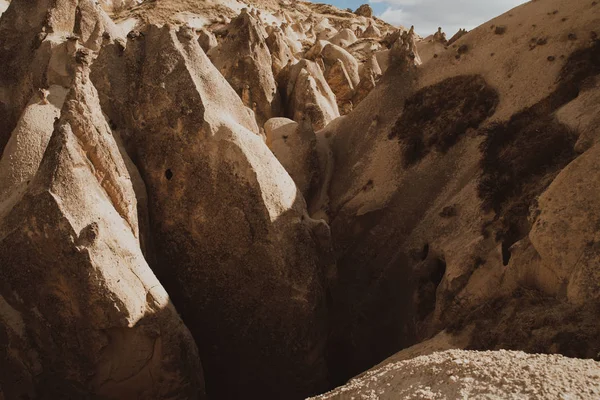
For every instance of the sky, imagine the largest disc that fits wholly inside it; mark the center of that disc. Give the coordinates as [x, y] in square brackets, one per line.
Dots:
[427, 15]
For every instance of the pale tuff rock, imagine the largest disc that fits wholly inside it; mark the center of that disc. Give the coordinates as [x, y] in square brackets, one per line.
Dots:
[460, 193]
[206, 39]
[243, 58]
[521, 274]
[27, 144]
[340, 83]
[344, 38]
[457, 35]
[118, 5]
[332, 54]
[364, 10]
[308, 94]
[362, 49]
[253, 298]
[371, 32]
[405, 49]
[292, 38]
[371, 65]
[492, 375]
[35, 52]
[281, 54]
[81, 313]
[368, 81]
[294, 145]
[439, 36]
[383, 59]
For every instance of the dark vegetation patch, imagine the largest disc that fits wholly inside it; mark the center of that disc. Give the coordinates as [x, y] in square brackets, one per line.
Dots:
[500, 30]
[437, 116]
[523, 155]
[520, 159]
[534, 323]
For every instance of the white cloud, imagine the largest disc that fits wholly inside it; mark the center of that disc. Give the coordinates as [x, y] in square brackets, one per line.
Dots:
[427, 15]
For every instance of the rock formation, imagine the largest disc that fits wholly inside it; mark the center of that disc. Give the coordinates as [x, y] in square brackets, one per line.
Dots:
[233, 292]
[308, 94]
[207, 40]
[281, 54]
[294, 145]
[263, 200]
[243, 58]
[364, 10]
[81, 313]
[457, 35]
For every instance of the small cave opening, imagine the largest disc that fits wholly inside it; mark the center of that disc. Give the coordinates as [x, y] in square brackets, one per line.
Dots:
[438, 272]
[169, 174]
[505, 253]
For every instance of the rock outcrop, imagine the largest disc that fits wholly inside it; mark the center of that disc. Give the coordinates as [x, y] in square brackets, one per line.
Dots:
[294, 145]
[253, 295]
[81, 313]
[281, 54]
[243, 58]
[308, 94]
[34, 51]
[207, 40]
[364, 10]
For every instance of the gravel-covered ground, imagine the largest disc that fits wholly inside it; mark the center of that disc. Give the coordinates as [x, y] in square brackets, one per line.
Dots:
[457, 374]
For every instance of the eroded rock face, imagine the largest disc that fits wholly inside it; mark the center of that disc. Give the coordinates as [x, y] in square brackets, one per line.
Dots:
[308, 94]
[253, 296]
[81, 313]
[243, 58]
[281, 54]
[332, 54]
[294, 145]
[364, 10]
[34, 51]
[207, 40]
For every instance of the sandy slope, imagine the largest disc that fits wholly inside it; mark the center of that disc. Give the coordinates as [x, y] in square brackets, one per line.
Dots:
[459, 374]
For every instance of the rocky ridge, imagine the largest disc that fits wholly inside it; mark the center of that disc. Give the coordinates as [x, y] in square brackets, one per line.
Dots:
[262, 200]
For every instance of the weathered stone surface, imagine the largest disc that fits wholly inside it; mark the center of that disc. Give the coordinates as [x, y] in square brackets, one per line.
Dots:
[308, 94]
[294, 145]
[34, 52]
[81, 313]
[281, 54]
[341, 85]
[372, 31]
[565, 234]
[243, 58]
[364, 10]
[332, 53]
[253, 295]
[344, 38]
[207, 40]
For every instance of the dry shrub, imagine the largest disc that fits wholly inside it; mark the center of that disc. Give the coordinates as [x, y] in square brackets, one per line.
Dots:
[437, 116]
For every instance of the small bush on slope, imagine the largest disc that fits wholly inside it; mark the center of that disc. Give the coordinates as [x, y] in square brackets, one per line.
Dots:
[437, 116]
